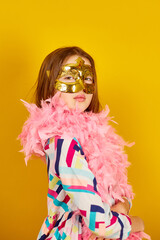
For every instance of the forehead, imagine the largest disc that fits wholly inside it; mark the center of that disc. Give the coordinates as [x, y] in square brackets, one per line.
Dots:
[72, 59]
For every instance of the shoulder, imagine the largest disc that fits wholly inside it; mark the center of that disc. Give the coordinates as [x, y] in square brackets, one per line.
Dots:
[63, 143]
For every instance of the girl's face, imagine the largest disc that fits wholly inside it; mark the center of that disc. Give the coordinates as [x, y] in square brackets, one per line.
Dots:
[81, 99]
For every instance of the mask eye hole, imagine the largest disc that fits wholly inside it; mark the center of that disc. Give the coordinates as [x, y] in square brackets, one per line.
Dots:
[67, 79]
[88, 80]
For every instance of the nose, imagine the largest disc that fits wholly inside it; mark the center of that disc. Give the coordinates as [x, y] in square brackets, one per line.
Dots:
[81, 83]
[81, 91]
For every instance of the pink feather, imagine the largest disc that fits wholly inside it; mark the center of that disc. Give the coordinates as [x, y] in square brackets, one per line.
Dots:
[103, 147]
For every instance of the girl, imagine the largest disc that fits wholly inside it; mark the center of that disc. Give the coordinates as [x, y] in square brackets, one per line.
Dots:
[88, 194]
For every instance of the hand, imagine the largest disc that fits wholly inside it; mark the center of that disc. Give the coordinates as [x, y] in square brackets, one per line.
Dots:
[137, 224]
[121, 207]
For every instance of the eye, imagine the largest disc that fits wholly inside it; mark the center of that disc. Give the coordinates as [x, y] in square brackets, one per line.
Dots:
[88, 80]
[67, 79]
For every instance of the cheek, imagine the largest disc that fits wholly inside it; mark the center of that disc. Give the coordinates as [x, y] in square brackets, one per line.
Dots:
[68, 98]
[65, 96]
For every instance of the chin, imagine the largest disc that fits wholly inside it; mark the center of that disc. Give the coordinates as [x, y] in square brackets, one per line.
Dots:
[81, 108]
[81, 105]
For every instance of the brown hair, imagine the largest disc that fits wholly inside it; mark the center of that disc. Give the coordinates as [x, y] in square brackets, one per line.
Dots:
[53, 62]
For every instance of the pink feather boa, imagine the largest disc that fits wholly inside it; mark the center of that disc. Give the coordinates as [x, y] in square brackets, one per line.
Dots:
[104, 149]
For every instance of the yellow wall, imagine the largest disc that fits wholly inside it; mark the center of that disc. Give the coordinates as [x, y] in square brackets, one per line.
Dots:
[124, 39]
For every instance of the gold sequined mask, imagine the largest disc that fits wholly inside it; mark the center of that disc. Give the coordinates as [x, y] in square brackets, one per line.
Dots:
[75, 77]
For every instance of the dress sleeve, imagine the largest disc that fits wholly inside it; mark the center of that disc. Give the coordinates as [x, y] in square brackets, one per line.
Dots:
[80, 184]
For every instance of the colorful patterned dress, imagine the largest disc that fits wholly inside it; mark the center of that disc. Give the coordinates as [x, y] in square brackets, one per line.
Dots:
[73, 197]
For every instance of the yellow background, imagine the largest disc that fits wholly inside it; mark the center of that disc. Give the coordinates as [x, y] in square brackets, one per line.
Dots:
[124, 39]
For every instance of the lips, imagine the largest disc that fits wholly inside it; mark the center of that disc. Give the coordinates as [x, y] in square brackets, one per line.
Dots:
[82, 97]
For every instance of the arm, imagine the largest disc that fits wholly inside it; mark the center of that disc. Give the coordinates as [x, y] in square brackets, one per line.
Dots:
[124, 207]
[80, 184]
